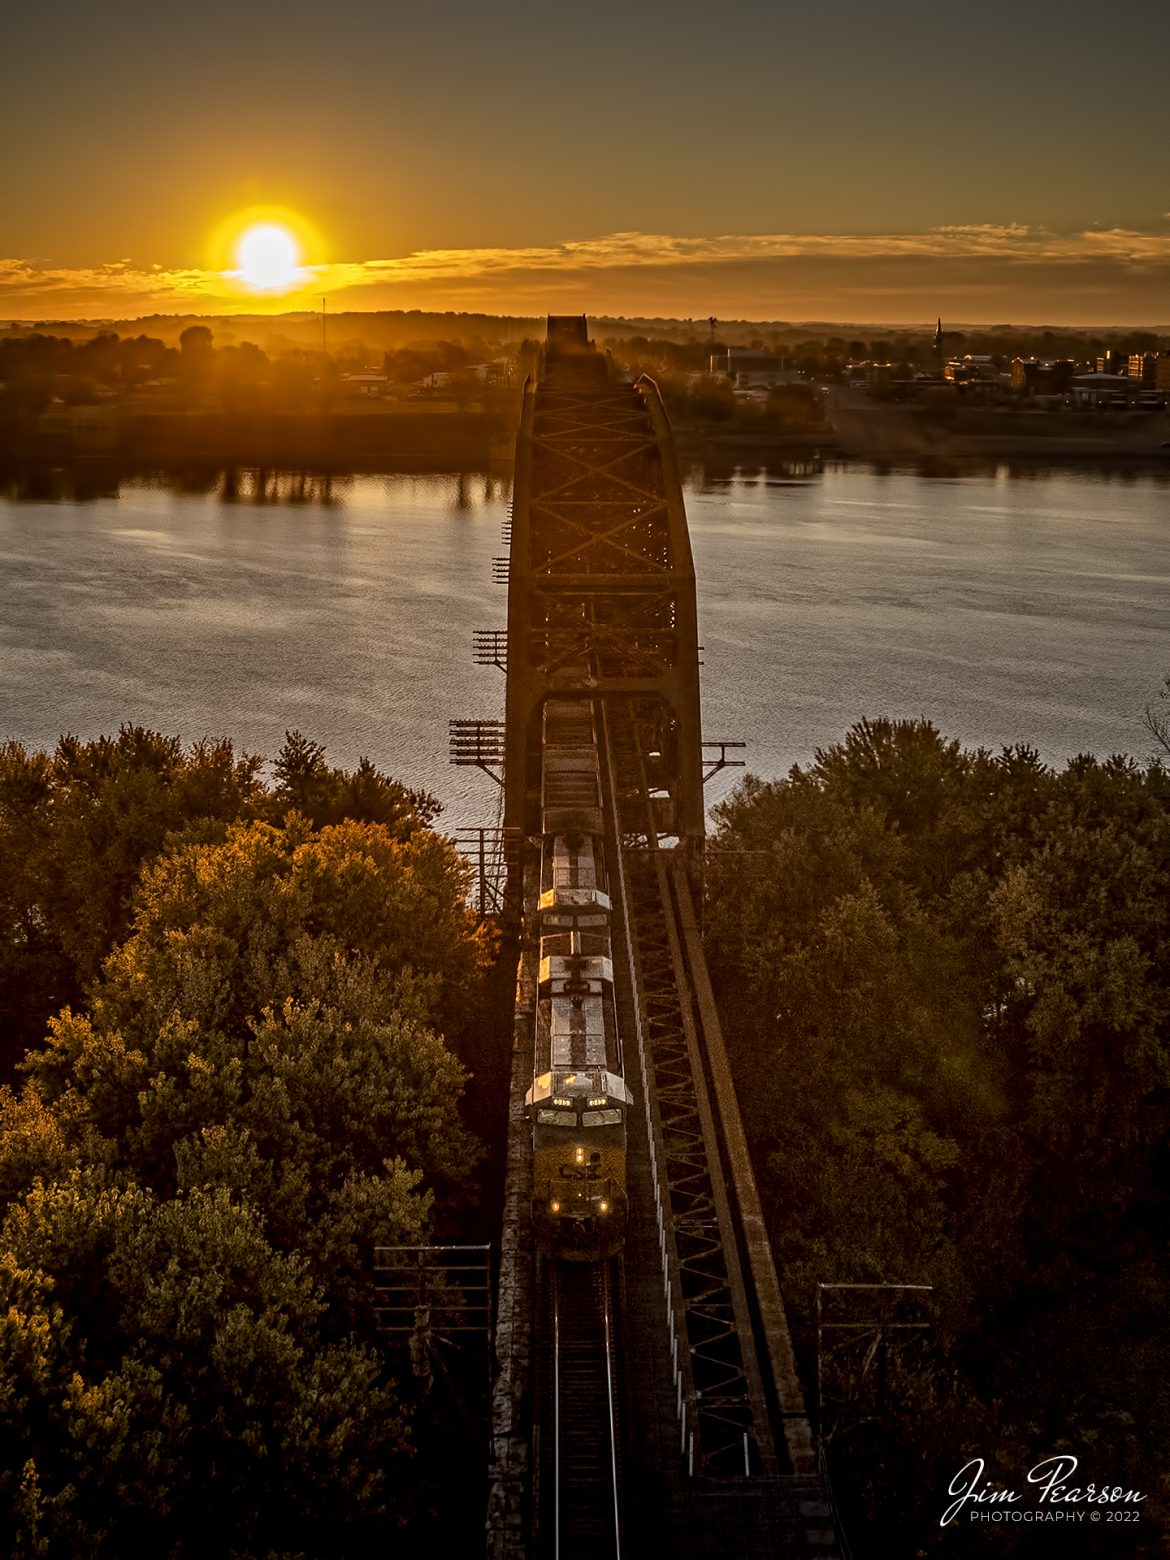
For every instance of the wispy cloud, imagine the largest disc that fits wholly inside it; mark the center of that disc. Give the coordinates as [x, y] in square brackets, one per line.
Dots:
[745, 272]
[1126, 246]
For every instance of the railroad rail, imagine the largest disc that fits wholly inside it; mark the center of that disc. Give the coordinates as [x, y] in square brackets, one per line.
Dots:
[579, 1491]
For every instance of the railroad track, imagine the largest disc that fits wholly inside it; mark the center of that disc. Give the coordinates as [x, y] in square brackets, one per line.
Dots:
[580, 1479]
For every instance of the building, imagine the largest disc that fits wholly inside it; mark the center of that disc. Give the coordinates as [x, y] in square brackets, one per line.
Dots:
[971, 368]
[1162, 372]
[1043, 376]
[1113, 362]
[369, 383]
[749, 370]
[1143, 369]
[1116, 390]
[878, 375]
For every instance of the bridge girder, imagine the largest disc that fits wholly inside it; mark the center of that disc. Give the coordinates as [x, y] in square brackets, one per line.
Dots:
[601, 583]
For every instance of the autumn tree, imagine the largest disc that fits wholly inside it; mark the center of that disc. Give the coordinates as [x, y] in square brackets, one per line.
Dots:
[944, 977]
[192, 1181]
[78, 826]
[305, 781]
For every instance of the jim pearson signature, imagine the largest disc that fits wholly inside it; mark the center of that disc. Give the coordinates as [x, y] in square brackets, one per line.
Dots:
[1050, 1479]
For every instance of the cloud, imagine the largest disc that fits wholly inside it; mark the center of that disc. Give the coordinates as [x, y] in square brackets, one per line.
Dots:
[624, 249]
[789, 275]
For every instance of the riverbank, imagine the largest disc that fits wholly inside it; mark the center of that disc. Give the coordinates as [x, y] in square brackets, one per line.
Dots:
[438, 436]
[869, 430]
[434, 436]
[697, 441]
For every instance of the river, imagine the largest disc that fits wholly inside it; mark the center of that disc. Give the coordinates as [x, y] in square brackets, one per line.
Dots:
[1004, 606]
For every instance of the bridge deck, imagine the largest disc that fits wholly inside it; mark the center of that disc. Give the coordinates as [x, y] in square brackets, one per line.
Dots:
[712, 1431]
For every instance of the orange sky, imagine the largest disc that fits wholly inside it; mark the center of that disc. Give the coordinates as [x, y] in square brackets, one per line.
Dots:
[977, 274]
[756, 160]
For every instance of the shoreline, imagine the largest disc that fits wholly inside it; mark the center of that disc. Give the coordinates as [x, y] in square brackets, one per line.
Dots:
[893, 433]
[437, 438]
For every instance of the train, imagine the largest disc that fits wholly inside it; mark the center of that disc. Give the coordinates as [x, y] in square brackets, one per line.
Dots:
[578, 1102]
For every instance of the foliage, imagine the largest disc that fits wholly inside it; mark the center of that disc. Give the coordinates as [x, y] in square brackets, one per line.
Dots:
[167, 1389]
[78, 825]
[946, 975]
[75, 828]
[1156, 720]
[199, 1163]
[327, 795]
[236, 376]
[795, 408]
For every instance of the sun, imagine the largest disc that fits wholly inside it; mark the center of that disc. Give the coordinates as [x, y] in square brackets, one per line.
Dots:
[265, 253]
[269, 258]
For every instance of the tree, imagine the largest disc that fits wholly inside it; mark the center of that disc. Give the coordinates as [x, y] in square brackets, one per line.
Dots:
[944, 982]
[75, 830]
[795, 407]
[1156, 719]
[168, 1389]
[191, 1184]
[713, 399]
[196, 361]
[196, 342]
[307, 783]
[78, 826]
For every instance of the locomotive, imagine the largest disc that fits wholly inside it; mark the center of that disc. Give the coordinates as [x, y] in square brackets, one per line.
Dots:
[578, 1101]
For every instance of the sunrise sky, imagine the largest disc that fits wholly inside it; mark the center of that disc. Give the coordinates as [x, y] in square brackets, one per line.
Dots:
[997, 161]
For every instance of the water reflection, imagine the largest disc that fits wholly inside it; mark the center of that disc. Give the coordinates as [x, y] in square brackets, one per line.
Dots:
[88, 481]
[43, 484]
[91, 480]
[256, 485]
[710, 474]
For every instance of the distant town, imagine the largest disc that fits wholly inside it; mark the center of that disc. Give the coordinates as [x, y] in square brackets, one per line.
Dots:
[355, 390]
[1114, 378]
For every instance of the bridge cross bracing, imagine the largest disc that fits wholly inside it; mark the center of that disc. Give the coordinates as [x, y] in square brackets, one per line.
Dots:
[601, 589]
[710, 1428]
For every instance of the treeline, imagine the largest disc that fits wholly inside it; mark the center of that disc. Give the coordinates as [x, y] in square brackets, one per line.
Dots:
[38, 369]
[695, 397]
[248, 1010]
[945, 977]
[708, 401]
[370, 332]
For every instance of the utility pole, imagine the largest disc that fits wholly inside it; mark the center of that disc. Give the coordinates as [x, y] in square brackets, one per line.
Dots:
[324, 340]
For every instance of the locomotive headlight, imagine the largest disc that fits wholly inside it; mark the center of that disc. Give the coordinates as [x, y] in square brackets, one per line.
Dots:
[580, 1156]
[603, 1206]
[554, 1207]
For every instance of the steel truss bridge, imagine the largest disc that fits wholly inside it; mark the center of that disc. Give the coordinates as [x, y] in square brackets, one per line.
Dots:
[652, 1407]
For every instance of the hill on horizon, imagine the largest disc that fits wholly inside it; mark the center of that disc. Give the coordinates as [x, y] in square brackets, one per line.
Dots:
[387, 330]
